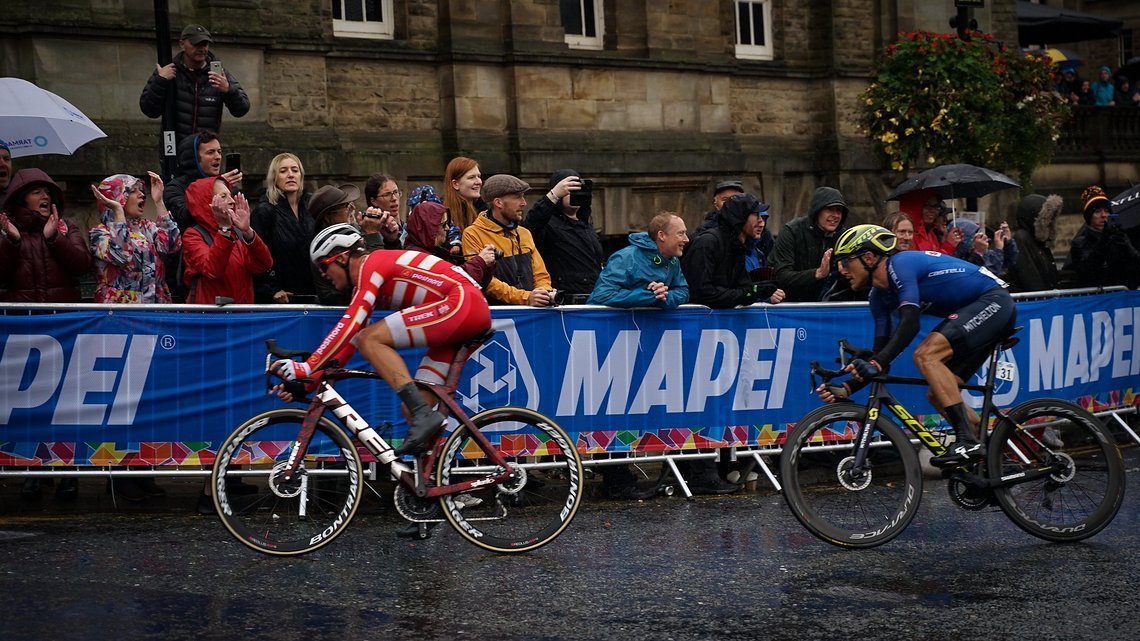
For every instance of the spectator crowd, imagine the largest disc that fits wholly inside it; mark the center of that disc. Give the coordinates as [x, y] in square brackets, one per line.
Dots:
[203, 242]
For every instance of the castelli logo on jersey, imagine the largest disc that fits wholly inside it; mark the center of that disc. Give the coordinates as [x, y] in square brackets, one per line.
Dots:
[444, 308]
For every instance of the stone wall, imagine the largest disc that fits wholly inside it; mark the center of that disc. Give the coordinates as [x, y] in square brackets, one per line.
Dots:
[658, 116]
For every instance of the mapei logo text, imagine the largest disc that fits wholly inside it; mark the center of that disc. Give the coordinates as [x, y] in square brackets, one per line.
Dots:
[749, 374]
[97, 382]
[1082, 348]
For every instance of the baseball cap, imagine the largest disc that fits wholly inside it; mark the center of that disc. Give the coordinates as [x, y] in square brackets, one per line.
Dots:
[196, 34]
[729, 184]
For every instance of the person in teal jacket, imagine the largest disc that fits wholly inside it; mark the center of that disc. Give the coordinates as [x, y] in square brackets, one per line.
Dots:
[647, 273]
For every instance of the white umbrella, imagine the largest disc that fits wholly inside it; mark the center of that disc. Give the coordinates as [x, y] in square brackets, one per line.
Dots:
[35, 121]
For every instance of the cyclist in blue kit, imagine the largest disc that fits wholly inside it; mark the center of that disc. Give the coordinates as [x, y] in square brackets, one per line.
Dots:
[975, 304]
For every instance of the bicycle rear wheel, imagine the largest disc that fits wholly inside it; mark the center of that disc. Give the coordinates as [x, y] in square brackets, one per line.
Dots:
[286, 518]
[524, 514]
[1077, 500]
[851, 510]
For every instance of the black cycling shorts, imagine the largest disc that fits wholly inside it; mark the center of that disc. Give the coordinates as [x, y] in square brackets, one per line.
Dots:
[974, 330]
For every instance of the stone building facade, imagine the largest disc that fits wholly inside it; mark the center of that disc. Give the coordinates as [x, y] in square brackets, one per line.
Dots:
[656, 113]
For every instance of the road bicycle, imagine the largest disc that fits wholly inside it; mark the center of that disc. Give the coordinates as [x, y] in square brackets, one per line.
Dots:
[507, 479]
[852, 476]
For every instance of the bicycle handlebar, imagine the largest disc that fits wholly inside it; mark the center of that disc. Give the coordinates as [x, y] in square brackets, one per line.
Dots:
[271, 345]
[296, 388]
[845, 349]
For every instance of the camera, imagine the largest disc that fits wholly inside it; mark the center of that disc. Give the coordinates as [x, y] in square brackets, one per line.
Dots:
[583, 196]
[216, 67]
[233, 161]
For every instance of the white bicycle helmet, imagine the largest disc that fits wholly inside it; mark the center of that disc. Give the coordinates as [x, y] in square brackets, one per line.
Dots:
[333, 239]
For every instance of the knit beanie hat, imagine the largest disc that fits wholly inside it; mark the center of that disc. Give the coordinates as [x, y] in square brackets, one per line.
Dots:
[1092, 197]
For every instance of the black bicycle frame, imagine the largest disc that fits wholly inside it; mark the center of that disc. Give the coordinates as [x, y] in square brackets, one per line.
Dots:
[880, 396]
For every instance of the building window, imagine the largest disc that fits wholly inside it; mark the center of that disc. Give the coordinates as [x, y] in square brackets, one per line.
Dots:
[582, 22]
[362, 19]
[754, 29]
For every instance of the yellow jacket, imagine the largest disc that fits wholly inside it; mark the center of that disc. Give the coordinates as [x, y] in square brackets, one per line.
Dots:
[511, 242]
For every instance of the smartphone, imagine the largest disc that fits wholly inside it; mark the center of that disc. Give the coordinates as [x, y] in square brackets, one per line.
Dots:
[583, 196]
[233, 161]
[216, 67]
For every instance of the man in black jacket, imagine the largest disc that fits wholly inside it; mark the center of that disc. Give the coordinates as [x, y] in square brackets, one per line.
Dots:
[721, 193]
[713, 263]
[565, 237]
[199, 93]
[1101, 253]
[199, 156]
[801, 260]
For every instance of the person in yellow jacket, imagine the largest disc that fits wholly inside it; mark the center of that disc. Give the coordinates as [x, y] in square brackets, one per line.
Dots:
[521, 277]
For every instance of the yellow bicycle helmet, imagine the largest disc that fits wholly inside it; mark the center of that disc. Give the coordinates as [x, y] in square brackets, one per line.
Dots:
[862, 238]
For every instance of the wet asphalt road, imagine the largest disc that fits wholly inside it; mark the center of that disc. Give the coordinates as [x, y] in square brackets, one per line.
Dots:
[723, 567]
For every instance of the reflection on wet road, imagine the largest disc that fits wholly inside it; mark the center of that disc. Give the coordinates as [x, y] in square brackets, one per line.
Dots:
[737, 566]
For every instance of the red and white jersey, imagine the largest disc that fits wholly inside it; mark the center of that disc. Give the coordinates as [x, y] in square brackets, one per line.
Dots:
[428, 290]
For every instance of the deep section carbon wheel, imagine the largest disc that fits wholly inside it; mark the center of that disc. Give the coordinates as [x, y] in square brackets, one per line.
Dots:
[532, 508]
[273, 515]
[847, 506]
[1084, 484]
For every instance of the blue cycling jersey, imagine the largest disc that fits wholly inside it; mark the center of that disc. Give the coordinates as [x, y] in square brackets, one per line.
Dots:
[937, 284]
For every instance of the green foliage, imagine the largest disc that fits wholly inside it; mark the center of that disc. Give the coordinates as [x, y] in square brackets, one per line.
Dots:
[936, 99]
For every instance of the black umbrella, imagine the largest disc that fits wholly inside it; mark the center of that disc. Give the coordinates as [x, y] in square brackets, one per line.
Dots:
[1130, 70]
[1126, 206]
[955, 181]
[1040, 24]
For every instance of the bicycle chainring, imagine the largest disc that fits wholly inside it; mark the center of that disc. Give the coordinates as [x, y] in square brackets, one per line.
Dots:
[414, 508]
[967, 496]
[843, 473]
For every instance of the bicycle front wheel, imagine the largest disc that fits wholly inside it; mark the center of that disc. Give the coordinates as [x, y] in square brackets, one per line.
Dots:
[526, 513]
[271, 515]
[842, 505]
[1083, 493]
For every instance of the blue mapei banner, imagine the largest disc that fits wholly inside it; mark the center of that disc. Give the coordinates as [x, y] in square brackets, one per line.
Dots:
[132, 386]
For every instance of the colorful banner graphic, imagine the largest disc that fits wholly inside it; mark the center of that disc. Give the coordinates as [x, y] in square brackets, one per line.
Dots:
[131, 386]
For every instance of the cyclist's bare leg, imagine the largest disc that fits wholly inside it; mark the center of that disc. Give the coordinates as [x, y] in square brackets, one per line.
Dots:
[931, 357]
[375, 345]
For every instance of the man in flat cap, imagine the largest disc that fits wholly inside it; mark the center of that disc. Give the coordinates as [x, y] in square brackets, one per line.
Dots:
[521, 277]
[199, 87]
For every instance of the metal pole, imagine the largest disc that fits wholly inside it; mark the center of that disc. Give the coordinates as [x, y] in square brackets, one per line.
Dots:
[167, 143]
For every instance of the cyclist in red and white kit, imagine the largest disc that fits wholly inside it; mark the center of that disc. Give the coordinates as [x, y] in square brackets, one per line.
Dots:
[439, 305]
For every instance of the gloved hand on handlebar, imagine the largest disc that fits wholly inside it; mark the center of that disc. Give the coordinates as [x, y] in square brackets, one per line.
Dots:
[291, 370]
[830, 393]
[864, 369]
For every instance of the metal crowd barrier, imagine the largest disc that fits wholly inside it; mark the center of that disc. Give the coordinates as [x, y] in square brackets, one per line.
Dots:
[667, 459]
